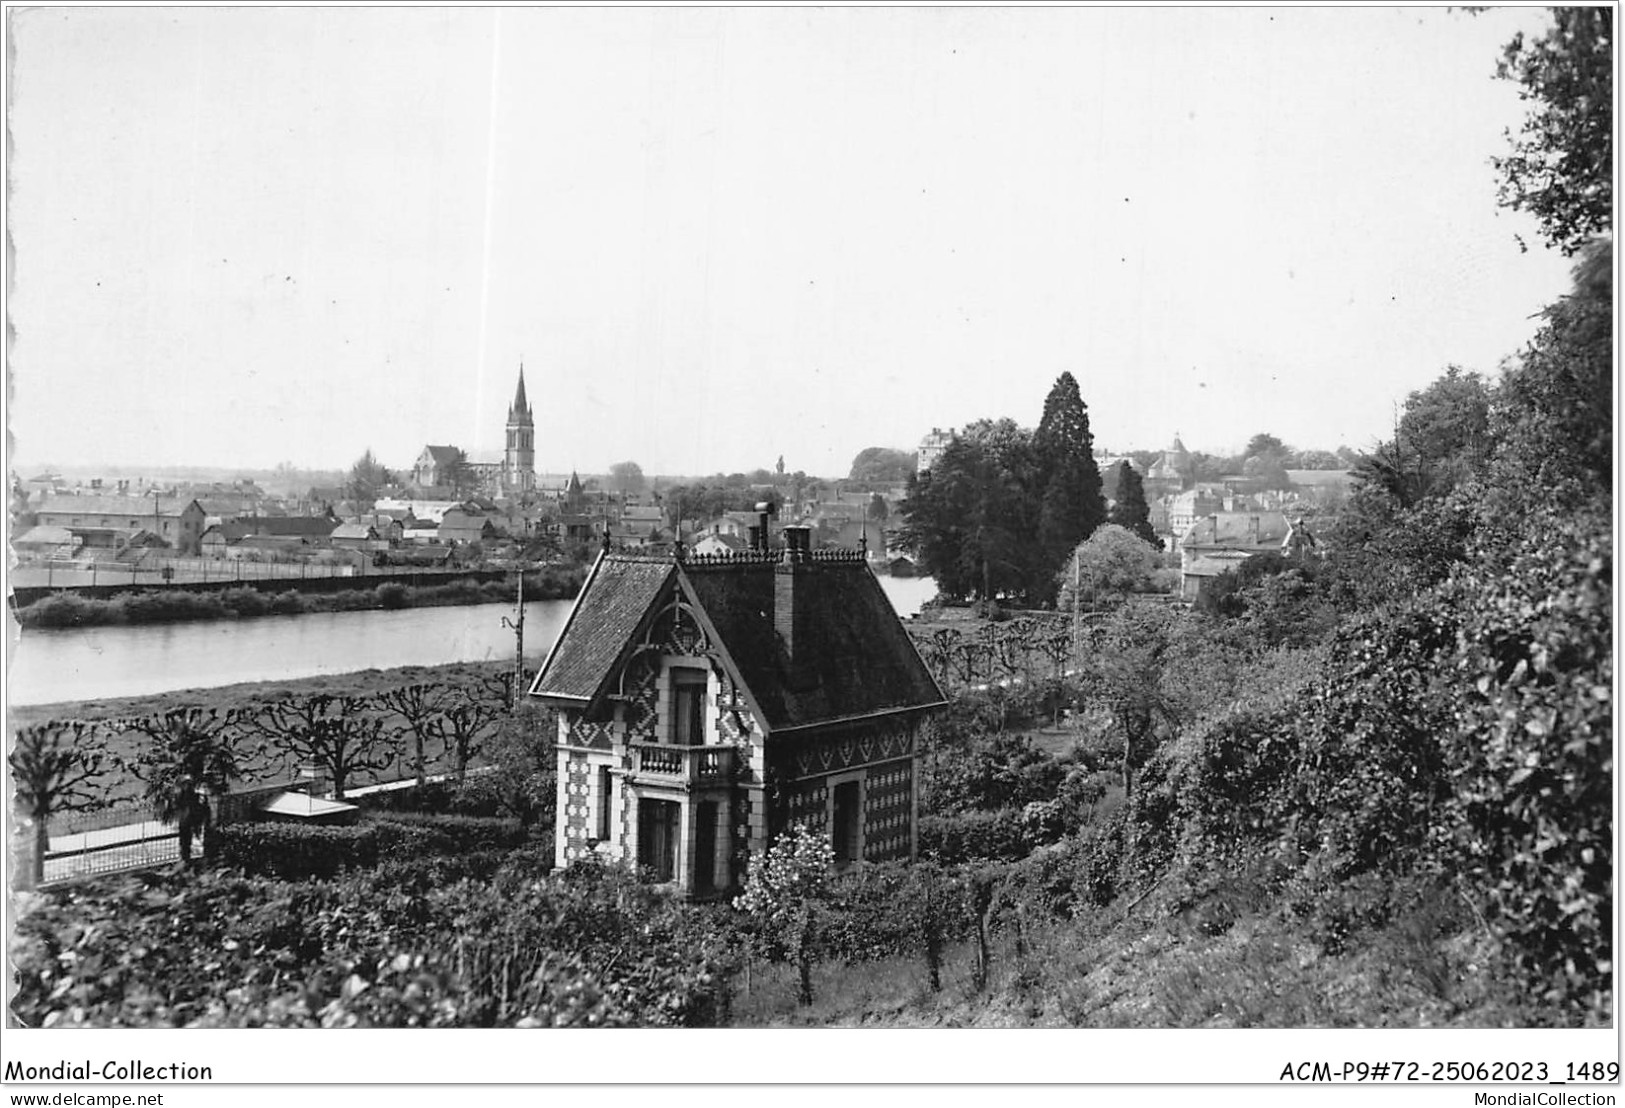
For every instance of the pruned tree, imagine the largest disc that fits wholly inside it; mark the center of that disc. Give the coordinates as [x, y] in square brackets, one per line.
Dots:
[419, 705]
[339, 734]
[56, 767]
[466, 716]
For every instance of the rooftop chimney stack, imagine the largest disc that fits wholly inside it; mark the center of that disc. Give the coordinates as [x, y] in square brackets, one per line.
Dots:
[760, 533]
[792, 601]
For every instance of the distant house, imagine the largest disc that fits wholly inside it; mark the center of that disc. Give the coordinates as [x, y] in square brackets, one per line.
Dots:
[1220, 542]
[358, 536]
[737, 524]
[643, 515]
[1185, 509]
[425, 511]
[708, 704]
[268, 548]
[178, 522]
[718, 544]
[270, 535]
[1323, 486]
[460, 526]
[931, 448]
[46, 542]
[1170, 473]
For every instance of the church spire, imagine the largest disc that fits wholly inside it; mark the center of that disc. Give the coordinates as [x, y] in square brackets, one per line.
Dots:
[519, 406]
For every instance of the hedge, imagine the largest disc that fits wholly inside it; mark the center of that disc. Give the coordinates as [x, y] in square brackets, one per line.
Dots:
[296, 851]
[1000, 835]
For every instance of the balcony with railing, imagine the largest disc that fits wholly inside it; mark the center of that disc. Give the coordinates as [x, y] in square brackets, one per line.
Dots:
[658, 763]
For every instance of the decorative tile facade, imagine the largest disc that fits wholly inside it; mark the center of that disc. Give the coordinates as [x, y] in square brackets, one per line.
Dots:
[577, 814]
[888, 812]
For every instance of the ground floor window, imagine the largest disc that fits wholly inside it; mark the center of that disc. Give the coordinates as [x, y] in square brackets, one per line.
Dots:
[657, 838]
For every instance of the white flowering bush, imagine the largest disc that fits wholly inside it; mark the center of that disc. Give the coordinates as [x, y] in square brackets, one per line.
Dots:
[786, 897]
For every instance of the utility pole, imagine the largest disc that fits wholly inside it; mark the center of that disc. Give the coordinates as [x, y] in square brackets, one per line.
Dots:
[1077, 591]
[518, 625]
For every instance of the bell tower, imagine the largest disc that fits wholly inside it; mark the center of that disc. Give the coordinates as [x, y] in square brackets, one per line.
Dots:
[519, 458]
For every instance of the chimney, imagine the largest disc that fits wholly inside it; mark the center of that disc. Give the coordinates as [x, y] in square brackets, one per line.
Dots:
[759, 534]
[792, 603]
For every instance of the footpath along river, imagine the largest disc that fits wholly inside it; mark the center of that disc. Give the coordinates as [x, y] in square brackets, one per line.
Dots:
[48, 667]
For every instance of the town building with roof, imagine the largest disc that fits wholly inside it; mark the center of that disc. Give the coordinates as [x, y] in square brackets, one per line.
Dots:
[1221, 541]
[707, 703]
[1321, 486]
[931, 448]
[1169, 473]
[177, 521]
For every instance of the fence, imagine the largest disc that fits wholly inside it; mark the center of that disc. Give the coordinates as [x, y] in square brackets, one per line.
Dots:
[35, 581]
[109, 841]
[70, 573]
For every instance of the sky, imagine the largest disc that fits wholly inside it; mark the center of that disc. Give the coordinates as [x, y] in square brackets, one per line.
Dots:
[718, 236]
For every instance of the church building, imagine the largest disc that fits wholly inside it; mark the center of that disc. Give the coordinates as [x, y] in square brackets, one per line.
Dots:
[450, 471]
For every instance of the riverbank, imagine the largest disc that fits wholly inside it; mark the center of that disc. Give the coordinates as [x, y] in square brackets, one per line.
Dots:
[252, 694]
[175, 605]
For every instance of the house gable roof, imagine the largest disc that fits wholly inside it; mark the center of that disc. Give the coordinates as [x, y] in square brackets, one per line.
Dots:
[856, 659]
[131, 507]
[1239, 530]
[618, 595]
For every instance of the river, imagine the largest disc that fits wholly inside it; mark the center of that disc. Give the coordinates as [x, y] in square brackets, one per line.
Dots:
[48, 667]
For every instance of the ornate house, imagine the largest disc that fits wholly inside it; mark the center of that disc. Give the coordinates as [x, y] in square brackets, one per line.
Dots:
[707, 703]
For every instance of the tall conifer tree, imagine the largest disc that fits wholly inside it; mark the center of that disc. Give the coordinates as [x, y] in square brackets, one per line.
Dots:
[1072, 502]
[1131, 510]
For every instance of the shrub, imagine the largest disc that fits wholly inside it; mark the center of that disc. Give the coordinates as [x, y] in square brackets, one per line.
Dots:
[166, 606]
[460, 833]
[391, 594]
[289, 603]
[65, 609]
[245, 601]
[295, 851]
[431, 798]
[380, 949]
[975, 836]
[1533, 755]
[895, 909]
